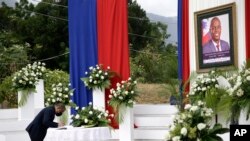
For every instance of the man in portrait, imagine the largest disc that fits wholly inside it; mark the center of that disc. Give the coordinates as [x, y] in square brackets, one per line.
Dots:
[215, 44]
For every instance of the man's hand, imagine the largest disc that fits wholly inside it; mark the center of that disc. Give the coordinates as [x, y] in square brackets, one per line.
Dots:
[60, 124]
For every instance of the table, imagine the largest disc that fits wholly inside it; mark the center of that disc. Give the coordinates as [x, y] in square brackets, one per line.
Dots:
[78, 134]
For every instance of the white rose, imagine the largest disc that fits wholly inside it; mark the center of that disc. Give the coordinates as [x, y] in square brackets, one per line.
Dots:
[248, 78]
[91, 112]
[176, 138]
[86, 120]
[184, 131]
[77, 116]
[200, 103]
[187, 106]
[172, 127]
[194, 108]
[240, 92]
[204, 89]
[168, 136]
[201, 126]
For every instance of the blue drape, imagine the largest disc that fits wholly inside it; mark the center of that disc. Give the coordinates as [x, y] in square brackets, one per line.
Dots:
[83, 46]
[180, 40]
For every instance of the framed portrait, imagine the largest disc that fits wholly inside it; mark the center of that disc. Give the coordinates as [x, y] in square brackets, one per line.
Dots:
[215, 41]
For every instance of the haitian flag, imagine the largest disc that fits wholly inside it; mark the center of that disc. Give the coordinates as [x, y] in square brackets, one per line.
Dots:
[183, 43]
[205, 31]
[98, 34]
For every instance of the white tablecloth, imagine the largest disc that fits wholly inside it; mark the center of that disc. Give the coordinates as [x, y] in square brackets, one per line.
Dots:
[78, 134]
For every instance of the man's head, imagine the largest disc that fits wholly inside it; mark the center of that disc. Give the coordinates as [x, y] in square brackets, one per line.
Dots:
[59, 108]
[215, 29]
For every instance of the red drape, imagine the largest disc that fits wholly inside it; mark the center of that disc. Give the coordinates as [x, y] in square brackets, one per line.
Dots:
[112, 29]
[185, 41]
[247, 18]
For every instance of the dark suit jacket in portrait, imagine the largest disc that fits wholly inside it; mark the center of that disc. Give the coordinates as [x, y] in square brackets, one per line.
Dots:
[37, 129]
[209, 46]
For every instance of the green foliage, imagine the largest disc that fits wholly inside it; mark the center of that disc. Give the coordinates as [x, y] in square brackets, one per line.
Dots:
[152, 60]
[54, 77]
[47, 36]
[61, 93]
[12, 59]
[154, 67]
[7, 93]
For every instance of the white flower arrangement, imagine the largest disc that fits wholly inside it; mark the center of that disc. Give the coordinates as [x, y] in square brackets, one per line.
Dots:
[28, 76]
[90, 117]
[97, 77]
[239, 94]
[124, 94]
[61, 92]
[207, 88]
[203, 83]
[26, 79]
[193, 124]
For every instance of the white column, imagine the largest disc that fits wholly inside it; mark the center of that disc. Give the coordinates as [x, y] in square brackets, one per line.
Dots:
[242, 119]
[39, 95]
[126, 128]
[99, 98]
[35, 102]
[27, 111]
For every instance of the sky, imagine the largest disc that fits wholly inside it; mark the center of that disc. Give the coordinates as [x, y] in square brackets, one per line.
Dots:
[167, 8]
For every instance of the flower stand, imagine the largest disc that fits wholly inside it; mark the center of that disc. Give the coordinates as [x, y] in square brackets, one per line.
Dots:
[27, 111]
[126, 128]
[39, 95]
[99, 98]
[242, 119]
[35, 102]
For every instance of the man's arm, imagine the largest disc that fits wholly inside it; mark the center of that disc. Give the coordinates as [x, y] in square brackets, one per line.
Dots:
[48, 118]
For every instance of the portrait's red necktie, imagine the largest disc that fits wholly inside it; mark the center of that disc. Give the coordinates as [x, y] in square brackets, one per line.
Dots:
[218, 47]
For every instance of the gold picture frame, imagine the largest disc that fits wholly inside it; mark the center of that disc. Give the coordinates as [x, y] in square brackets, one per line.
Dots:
[215, 38]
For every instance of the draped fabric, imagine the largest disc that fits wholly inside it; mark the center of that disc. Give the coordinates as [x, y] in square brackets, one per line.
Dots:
[98, 34]
[112, 25]
[247, 20]
[83, 46]
[183, 41]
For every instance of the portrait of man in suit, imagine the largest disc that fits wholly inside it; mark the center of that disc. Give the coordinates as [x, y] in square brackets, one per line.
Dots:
[215, 44]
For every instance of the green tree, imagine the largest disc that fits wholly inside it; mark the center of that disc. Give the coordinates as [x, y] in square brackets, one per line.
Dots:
[47, 35]
[152, 60]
